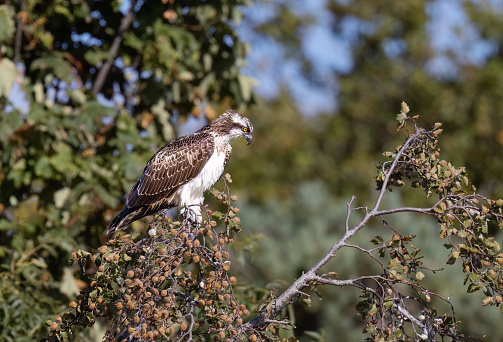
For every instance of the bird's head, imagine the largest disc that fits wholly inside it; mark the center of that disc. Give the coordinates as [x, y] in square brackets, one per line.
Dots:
[234, 125]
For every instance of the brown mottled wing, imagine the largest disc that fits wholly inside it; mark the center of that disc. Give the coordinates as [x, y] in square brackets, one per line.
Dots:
[172, 166]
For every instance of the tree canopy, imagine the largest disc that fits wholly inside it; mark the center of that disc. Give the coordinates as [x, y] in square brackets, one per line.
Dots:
[104, 83]
[90, 89]
[388, 53]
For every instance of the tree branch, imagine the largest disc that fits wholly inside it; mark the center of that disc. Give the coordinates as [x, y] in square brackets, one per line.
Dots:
[19, 31]
[114, 49]
[306, 278]
[393, 166]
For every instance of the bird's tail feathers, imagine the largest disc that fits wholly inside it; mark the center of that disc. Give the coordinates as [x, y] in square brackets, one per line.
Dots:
[129, 215]
[126, 217]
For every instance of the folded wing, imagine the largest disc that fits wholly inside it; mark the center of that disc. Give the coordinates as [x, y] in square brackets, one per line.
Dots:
[172, 166]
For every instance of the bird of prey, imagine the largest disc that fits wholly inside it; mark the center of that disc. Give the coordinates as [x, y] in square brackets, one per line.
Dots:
[179, 173]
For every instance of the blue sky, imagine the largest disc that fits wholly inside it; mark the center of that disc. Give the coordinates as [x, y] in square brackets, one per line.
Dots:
[268, 64]
[449, 31]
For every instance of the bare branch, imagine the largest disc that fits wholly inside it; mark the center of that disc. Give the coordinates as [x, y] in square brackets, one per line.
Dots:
[384, 283]
[404, 210]
[349, 212]
[114, 49]
[348, 282]
[311, 274]
[397, 305]
[369, 252]
[19, 31]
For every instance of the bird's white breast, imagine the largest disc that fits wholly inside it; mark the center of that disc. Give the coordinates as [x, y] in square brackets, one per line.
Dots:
[192, 192]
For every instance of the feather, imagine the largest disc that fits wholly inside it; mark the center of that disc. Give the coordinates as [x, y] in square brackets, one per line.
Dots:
[163, 173]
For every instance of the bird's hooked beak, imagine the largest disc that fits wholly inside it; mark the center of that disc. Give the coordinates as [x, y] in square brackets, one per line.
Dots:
[249, 138]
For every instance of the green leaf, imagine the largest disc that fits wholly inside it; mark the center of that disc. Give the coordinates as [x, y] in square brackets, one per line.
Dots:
[62, 10]
[77, 95]
[167, 128]
[362, 306]
[39, 262]
[96, 109]
[371, 329]
[38, 91]
[206, 82]
[393, 264]
[9, 122]
[473, 287]
[9, 73]
[54, 64]
[6, 225]
[307, 301]
[61, 196]
[105, 196]
[496, 247]
[7, 27]
[63, 160]
[96, 56]
[404, 107]
[132, 40]
[246, 84]
[373, 310]
[68, 285]
[474, 277]
[401, 117]
[217, 214]
[397, 333]
[43, 167]
[378, 240]
[314, 334]
[452, 258]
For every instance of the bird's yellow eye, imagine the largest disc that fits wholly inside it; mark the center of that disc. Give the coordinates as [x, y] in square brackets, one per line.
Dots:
[245, 129]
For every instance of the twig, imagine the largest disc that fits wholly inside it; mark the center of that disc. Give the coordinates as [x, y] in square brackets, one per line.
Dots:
[369, 251]
[413, 319]
[393, 166]
[349, 212]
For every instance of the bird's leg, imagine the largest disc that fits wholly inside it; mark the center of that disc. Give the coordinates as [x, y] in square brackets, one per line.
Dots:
[192, 216]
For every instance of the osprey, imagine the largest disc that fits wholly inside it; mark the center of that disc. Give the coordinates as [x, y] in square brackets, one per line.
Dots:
[179, 173]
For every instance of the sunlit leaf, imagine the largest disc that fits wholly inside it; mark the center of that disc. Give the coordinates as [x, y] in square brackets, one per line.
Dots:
[9, 73]
[7, 27]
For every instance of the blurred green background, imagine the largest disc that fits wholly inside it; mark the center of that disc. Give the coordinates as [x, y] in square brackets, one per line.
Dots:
[321, 81]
